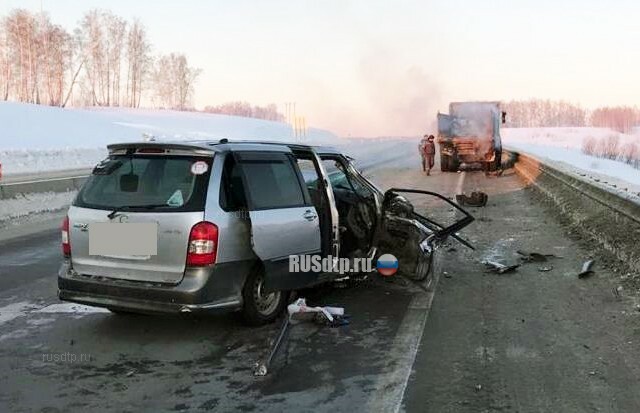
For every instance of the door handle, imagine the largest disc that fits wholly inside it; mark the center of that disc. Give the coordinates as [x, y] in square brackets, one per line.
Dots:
[309, 215]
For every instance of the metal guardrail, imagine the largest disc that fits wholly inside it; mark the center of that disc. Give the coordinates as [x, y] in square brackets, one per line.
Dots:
[74, 182]
[611, 218]
[58, 184]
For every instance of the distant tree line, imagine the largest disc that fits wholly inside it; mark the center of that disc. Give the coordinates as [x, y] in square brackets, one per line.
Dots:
[245, 109]
[543, 113]
[106, 61]
[557, 113]
[620, 118]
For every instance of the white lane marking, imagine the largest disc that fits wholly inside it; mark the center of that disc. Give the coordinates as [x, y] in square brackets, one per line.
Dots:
[390, 388]
[72, 308]
[15, 310]
[459, 190]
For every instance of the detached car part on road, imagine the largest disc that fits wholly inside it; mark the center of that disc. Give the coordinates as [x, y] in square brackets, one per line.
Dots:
[226, 216]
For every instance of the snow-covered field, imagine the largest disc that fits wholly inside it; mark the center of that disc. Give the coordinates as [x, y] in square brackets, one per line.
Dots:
[564, 146]
[35, 138]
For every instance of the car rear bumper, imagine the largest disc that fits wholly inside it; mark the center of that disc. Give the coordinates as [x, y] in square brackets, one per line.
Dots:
[210, 289]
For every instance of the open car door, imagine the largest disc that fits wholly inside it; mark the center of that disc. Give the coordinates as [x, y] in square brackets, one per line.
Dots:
[412, 237]
[284, 221]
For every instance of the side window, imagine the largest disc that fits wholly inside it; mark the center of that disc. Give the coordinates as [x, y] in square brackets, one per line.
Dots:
[232, 197]
[272, 183]
[309, 173]
[341, 179]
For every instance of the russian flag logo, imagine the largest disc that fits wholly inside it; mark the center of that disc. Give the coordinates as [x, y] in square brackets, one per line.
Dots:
[387, 265]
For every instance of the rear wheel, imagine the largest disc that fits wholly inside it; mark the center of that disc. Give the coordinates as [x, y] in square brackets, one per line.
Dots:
[444, 162]
[496, 164]
[261, 307]
[454, 164]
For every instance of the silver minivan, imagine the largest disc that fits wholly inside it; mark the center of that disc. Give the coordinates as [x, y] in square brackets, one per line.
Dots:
[210, 225]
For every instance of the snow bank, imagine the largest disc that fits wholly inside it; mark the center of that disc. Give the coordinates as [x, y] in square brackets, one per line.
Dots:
[564, 145]
[28, 204]
[560, 137]
[35, 138]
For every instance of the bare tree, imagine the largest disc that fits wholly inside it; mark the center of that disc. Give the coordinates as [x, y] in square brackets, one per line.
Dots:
[40, 62]
[116, 28]
[544, 113]
[57, 54]
[21, 38]
[269, 112]
[5, 63]
[91, 40]
[174, 81]
[139, 62]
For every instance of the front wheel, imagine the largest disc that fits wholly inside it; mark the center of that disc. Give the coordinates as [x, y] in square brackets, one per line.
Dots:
[261, 307]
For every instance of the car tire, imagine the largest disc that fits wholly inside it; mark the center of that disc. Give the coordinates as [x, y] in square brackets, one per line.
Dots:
[444, 163]
[259, 307]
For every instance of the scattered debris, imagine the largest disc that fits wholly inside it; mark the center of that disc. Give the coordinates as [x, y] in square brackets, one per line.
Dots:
[545, 269]
[262, 368]
[478, 387]
[476, 199]
[130, 373]
[484, 219]
[298, 310]
[446, 275]
[535, 256]
[592, 373]
[617, 291]
[586, 269]
[586, 346]
[498, 267]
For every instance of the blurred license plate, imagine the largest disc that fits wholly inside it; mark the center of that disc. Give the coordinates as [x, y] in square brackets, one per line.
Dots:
[123, 239]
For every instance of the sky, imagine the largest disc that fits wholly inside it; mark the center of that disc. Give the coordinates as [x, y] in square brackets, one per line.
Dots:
[385, 68]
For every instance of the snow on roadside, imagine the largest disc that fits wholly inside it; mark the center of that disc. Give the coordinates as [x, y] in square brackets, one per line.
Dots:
[564, 147]
[36, 138]
[20, 161]
[28, 204]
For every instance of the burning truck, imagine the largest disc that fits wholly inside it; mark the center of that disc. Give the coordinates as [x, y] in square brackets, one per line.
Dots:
[470, 135]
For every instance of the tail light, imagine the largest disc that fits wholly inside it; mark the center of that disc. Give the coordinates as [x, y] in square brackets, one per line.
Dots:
[66, 243]
[203, 244]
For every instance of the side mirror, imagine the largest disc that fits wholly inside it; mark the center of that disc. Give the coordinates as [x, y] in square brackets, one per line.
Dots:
[504, 117]
[129, 183]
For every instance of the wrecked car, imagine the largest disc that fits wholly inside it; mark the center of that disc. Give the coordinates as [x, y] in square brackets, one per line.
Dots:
[210, 225]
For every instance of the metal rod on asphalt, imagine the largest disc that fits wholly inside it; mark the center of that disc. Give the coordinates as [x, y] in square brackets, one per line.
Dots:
[262, 369]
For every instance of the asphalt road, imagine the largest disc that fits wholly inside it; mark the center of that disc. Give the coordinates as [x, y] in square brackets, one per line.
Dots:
[527, 341]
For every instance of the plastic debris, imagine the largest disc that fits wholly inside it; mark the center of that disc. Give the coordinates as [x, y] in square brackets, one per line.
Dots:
[498, 267]
[476, 199]
[535, 256]
[617, 291]
[298, 310]
[586, 269]
[546, 268]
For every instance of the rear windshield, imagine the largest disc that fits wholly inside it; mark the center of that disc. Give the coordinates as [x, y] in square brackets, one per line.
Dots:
[143, 183]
